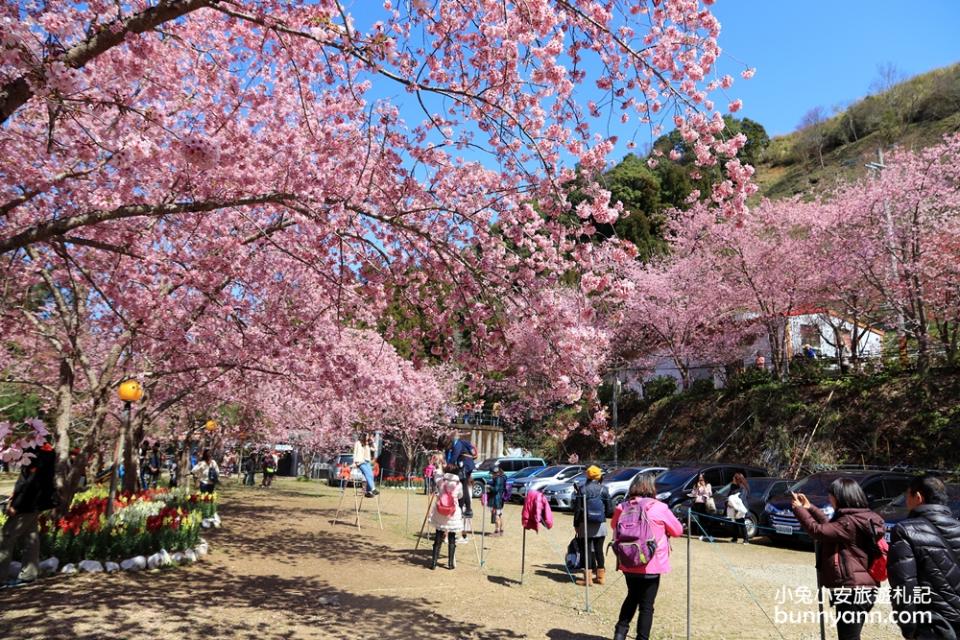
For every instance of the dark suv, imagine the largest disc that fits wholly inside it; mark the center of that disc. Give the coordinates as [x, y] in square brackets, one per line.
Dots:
[761, 490]
[674, 485]
[881, 488]
[896, 510]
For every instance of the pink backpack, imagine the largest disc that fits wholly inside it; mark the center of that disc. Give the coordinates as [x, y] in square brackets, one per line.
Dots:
[635, 540]
[446, 503]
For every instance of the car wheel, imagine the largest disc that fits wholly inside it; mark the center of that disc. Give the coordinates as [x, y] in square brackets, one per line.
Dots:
[617, 500]
[750, 523]
[478, 488]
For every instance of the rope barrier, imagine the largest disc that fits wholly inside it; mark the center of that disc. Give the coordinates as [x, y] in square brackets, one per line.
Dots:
[707, 516]
[734, 575]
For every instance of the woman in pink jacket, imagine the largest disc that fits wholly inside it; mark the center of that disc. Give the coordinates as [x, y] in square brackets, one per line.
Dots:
[643, 581]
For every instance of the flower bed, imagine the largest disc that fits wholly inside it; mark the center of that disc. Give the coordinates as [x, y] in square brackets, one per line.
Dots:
[401, 481]
[143, 523]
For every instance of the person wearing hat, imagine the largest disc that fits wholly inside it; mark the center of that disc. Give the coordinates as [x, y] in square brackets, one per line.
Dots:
[498, 488]
[591, 509]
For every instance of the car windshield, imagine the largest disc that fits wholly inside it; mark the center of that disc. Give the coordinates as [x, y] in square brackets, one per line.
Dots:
[621, 475]
[953, 492]
[577, 478]
[550, 472]
[815, 485]
[528, 471]
[487, 464]
[675, 477]
[759, 485]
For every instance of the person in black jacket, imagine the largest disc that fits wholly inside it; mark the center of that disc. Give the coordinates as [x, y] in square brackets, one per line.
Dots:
[34, 492]
[598, 509]
[924, 554]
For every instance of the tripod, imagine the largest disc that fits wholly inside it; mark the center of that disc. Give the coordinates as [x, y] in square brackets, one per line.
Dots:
[359, 494]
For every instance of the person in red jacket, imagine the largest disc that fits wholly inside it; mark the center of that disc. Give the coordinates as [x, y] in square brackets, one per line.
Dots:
[846, 544]
[643, 582]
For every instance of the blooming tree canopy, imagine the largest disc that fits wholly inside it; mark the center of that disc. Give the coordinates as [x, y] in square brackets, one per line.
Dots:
[210, 194]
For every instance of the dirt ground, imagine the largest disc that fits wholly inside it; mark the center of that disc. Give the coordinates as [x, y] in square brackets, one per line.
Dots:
[279, 557]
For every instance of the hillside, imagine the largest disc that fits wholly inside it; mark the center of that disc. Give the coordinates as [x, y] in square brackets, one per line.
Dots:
[884, 419]
[914, 113]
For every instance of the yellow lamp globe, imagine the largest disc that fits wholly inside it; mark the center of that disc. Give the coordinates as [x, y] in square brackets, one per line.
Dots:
[211, 425]
[130, 391]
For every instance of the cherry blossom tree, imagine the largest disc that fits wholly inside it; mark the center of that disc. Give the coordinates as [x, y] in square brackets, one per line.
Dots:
[904, 226]
[211, 194]
[766, 261]
[682, 310]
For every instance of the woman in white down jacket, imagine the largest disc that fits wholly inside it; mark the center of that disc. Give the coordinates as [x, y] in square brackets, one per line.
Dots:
[737, 506]
[446, 515]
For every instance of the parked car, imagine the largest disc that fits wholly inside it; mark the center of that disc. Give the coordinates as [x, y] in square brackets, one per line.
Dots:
[881, 488]
[550, 475]
[761, 490]
[618, 480]
[523, 473]
[511, 465]
[337, 464]
[561, 494]
[897, 510]
[674, 485]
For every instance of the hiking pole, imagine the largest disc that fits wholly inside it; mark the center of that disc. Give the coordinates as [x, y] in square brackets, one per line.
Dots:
[587, 573]
[523, 555]
[424, 525]
[483, 523]
[689, 529]
[816, 554]
[478, 551]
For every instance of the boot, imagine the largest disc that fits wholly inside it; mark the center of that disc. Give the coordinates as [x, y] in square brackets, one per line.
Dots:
[587, 577]
[437, 543]
[451, 558]
[601, 576]
[620, 631]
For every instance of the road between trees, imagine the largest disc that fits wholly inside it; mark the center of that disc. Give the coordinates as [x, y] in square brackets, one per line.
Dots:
[280, 569]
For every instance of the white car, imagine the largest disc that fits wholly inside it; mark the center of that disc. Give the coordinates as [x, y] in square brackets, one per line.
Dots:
[539, 482]
[617, 481]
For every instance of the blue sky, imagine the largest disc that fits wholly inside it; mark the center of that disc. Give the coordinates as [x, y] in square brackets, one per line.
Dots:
[822, 53]
[807, 53]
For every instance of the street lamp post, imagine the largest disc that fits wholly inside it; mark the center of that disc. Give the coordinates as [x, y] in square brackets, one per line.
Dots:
[130, 391]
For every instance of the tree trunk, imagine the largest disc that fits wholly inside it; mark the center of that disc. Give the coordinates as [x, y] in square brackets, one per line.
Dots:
[184, 462]
[777, 336]
[62, 432]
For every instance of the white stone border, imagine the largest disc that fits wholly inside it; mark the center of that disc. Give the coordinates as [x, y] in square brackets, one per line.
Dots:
[160, 559]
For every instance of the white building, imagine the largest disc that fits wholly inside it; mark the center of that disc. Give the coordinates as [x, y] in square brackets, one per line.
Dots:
[826, 333]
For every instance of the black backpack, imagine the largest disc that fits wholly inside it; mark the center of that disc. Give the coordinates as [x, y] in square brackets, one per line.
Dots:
[213, 475]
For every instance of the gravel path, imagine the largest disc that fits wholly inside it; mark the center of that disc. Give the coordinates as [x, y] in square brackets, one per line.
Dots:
[280, 569]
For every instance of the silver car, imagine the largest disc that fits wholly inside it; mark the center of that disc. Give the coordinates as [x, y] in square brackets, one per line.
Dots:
[617, 481]
[550, 475]
[561, 494]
